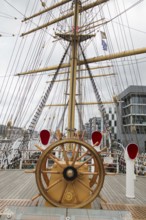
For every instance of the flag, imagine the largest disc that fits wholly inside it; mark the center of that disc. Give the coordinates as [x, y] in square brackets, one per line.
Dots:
[104, 45]
[103, 35]
[103, 40]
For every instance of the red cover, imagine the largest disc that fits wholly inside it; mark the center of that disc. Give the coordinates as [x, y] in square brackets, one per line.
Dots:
[132, 150]
[96, 138]
[44, 136]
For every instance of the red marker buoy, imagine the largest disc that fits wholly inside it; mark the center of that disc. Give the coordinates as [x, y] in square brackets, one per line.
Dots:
[44, 136]
[96, 138]
[132, 150]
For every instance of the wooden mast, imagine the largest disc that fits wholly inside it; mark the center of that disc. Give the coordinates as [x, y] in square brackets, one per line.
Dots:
[74, 55]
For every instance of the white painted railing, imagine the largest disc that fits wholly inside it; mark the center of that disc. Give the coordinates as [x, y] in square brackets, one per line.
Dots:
[27, 159]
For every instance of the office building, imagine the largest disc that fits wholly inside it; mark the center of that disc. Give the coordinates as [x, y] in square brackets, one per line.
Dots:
[131, 114]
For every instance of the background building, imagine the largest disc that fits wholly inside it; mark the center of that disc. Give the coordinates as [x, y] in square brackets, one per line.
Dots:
[96, 124]
[131, 113]
[112, 117]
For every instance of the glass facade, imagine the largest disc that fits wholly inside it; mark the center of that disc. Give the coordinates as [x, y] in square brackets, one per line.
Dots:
[139, 119]
[138, 109]
[134, 113]
[141, 130]
[132, 116]
[138, 99]
[126, 111]
[126, 120]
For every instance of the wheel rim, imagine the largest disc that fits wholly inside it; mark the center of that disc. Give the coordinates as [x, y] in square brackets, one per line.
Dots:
[70, 173]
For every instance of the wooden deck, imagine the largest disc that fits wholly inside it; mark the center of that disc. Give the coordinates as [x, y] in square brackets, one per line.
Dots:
[15, 185]
[114, 190]
[138, 212]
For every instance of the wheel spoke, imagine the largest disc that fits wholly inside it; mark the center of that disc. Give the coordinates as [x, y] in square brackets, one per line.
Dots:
[54, 184]
[92, 164]
[51, 172]
[82, 156]
[56, 158]
[95, 144]
[38, 147]
[75, 157]
[104, 149]
[63, 192]
[65, 155]
[100, 196]
[76, 195]
[74, 150]
[56, 161]
[30, 171]
[89, 173]
[84, 162]
[110, 174]
[86, 186]
[35, 197]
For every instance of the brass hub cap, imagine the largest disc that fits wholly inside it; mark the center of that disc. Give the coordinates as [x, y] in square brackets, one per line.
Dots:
[70, 173]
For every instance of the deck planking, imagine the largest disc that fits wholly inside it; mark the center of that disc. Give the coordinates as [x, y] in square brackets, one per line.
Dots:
[17, 185]
[114, 190]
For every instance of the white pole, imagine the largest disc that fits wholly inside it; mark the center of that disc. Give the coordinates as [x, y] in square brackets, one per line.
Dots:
[130, 155]
[130, 192]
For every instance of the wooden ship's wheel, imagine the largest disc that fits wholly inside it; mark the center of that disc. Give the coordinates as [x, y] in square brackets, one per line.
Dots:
[76, 176]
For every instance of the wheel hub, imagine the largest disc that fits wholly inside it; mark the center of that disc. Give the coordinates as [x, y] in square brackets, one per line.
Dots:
[70, 173]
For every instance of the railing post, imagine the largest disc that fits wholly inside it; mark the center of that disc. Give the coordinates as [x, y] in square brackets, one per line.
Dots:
[20, 166]
[117, 163]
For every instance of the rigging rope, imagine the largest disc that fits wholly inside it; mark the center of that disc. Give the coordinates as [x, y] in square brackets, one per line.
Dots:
[36, 117]
[138, 2]
[101, 106]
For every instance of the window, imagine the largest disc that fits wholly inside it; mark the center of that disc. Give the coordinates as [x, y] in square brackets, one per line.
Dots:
[138, 109]
[138, 99]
